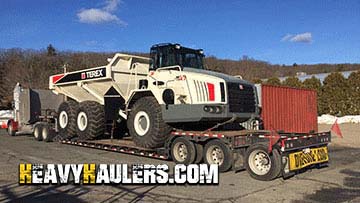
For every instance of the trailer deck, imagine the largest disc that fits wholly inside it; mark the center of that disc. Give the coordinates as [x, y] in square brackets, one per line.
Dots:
[123, 146]
[238, 141]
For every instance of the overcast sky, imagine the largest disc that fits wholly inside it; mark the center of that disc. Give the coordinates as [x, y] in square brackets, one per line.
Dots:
[280, 32]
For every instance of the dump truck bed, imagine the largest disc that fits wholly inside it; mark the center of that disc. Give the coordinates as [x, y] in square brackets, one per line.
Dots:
[93, 83]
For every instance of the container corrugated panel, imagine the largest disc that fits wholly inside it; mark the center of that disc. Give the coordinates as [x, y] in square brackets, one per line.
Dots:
[289, 109]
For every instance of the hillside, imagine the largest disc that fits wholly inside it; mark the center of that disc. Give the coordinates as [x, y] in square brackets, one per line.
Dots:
[32, 67]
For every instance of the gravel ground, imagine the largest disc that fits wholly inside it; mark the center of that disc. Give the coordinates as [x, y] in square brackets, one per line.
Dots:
[339, 182]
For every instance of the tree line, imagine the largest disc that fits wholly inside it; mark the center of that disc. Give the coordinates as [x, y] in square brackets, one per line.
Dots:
[32, 68]
[337, 95]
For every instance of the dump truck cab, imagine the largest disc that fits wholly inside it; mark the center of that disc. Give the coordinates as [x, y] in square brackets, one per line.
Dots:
[168, 55]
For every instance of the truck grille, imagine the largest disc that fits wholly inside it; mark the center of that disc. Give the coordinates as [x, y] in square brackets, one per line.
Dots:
[201, 91]
[241, 98]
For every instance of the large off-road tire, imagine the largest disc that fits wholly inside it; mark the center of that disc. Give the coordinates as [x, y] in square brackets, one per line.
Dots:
[183, 151]
[90, 120]
[67, 119]
[261, 164]
[146, 125]
[216, 152]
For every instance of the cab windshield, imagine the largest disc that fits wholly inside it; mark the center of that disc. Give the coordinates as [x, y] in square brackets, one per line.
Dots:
[190, 60]
[170, 56]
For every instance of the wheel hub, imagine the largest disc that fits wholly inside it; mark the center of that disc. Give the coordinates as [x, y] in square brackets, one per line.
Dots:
[141, 123]
[82, 121]
[180, 151]
[259, 162]
[215, 155]
[63, 119]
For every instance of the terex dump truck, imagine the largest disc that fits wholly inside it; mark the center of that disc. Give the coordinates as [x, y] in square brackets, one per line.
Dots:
[170, 90]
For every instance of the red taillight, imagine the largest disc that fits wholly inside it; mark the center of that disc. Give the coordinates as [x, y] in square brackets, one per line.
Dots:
[211, 89]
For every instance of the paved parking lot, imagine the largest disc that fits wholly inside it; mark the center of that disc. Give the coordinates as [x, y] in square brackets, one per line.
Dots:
[339, 182]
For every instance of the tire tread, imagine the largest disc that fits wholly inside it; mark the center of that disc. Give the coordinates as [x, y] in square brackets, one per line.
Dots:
[71, 108]
[160, 131]
[96, 120]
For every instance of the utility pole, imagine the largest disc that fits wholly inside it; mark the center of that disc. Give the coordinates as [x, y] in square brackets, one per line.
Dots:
[65, 70]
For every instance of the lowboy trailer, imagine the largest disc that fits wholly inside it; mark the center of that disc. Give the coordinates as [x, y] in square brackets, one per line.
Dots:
[264, 154]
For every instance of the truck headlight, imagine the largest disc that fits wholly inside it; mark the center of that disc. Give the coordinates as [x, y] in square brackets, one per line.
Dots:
[213, 109]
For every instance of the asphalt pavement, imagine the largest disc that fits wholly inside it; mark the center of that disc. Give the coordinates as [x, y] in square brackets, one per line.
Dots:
[339, 182]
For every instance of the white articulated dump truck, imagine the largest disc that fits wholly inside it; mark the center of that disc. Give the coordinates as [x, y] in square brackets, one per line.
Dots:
[171, 89]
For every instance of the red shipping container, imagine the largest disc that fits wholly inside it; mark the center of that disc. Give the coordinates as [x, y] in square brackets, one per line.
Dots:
[289, 109]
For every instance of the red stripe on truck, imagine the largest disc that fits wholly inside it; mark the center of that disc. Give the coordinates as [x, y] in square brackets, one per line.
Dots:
[56, 78]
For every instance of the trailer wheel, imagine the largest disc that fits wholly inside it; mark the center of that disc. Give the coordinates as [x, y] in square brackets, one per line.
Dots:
[183, 151]
[67, 119]
[260, 164]
[90, 120]
[216, 152]
[10, 129]
[146, 125]
[47, 133]
[38, 128]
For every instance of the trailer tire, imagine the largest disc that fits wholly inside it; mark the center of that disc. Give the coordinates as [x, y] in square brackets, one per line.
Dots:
[146, 125]
[47, 133]
[217, 152]
[260, 164]
[38, 128]
[67, 119]
[90, 120]
[183, 151]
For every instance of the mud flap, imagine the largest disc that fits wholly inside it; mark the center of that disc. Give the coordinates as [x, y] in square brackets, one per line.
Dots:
[238, 160]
